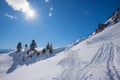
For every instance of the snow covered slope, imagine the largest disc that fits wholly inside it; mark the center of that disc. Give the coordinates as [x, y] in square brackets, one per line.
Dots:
[99, 57]
[95, 58]
[13, 67]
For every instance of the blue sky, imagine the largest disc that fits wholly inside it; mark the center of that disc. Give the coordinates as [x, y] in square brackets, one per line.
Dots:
[57, 21]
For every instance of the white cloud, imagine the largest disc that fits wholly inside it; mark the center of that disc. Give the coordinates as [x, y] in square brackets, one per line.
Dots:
[46, 1]
[23, 6]
[51, 8]
[50, 14]
[19, 5]
[11, 16]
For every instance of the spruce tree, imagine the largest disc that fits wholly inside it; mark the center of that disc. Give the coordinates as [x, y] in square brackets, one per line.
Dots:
[25, 46]
[33, 45]
[118, 9]
[99, 24]
[51, 49]
[43, 50]
[96, 31]
[48, 46]
[19, 47]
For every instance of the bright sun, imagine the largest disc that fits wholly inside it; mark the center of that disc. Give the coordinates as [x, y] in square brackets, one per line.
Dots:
[30, 14]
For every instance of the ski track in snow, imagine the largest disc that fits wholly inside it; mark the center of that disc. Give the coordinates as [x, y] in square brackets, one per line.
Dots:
[105, 56]
[103, 62]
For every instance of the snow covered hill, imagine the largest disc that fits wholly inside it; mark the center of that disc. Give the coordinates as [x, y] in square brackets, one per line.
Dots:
[94, 58]
[5, 50]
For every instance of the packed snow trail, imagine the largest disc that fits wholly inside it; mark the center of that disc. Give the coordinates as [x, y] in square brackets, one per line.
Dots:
[103, 66]
[71, 64]
[102, 63]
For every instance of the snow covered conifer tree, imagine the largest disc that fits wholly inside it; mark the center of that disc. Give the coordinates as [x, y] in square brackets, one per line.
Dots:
[43, 50]
[19, 47]
[51, 49]
[48, 46]
[25, 46]
[33, 45]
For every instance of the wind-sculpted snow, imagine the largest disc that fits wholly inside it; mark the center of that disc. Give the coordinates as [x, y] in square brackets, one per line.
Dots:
[71, 64]
[22, 58]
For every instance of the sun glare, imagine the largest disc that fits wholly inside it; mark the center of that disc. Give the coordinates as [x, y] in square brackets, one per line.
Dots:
[30, 14]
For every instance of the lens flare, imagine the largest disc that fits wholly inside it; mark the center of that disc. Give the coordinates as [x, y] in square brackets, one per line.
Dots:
[30, 14]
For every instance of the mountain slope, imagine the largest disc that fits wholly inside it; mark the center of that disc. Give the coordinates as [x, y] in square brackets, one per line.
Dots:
[5, 50]
[102, 52]
[95, 58]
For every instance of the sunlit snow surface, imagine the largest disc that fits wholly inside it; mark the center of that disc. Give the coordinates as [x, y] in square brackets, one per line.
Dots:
[95, 58]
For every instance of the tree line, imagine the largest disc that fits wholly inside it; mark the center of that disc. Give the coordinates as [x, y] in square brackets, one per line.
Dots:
[33, 47]
[115, 18]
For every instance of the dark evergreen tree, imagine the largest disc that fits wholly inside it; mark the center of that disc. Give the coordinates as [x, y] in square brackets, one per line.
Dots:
[118, 9]
[43, 50]
[95, 31]
[33, 45]
[99, 24]
[19, 47]
[51, 49]
[25, 46]
[99, 27]
[113, 14]
[48, 46]
[28, 52]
